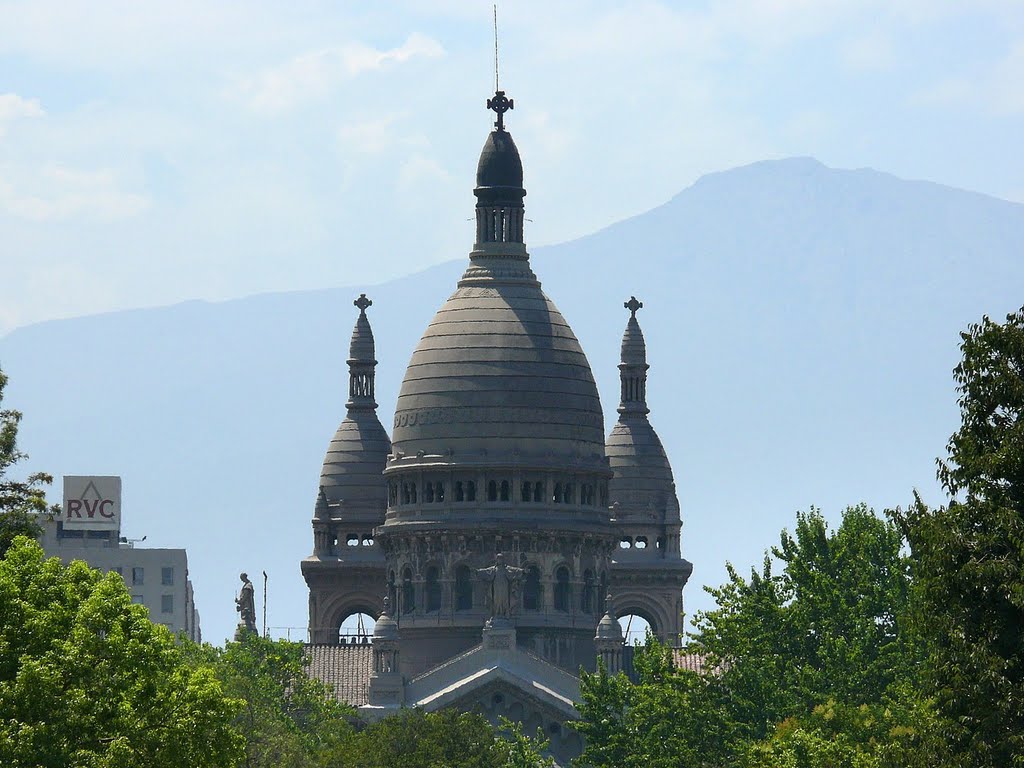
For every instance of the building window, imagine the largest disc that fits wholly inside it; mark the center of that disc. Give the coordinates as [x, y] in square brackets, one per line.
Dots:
[557, 497]
[538, 492]
[428, 493]
[408, 593]
[440, 492]
[138, 576]
[433, 589]
[166, 603]
[506, 492]
[562, 589]
[167, 577]
[526, 492]
[492, 491]
[463, 589]
[531, 589]
[459, 493]
[471, 491]
[587, 599]
[137, 599]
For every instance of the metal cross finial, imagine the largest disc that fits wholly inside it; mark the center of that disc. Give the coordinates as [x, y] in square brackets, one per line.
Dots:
[500, 104]
[362, 302]
[633, 305]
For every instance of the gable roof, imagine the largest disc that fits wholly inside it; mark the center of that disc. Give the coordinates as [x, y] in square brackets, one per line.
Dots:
[345, 669]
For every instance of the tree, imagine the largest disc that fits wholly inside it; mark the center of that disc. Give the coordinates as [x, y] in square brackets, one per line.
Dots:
[285, 718]
[969, 555]
[417, 739]
[87, 680]
[19, 500]
[831, 626]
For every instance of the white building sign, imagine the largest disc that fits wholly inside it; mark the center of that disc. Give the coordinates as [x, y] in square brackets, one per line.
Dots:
[92, 503]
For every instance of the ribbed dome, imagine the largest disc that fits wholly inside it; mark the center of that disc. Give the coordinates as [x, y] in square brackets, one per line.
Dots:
[499, 373]
[500, 164]
[641, 473]
[355, 460]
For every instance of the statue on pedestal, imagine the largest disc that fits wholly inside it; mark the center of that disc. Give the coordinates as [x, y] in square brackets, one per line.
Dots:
[503, 579]
[245, 604]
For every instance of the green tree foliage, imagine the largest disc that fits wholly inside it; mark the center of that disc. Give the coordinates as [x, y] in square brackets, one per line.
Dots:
[416, 739]
[969, 555]
[87, 680]
[285, 718]
[831, 626]
[20, 500]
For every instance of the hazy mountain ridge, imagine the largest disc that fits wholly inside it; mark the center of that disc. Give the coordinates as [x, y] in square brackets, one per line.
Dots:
[801, 325]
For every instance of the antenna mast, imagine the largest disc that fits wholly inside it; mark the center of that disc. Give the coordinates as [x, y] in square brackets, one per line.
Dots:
[496, 86]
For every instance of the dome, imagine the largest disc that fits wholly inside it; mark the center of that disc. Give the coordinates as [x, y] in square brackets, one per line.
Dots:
[499, 165]
[641, 473]
[499, 376]
[355, 460]
[357, 454]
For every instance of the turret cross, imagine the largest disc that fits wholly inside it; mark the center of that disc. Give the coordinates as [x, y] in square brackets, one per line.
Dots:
[362, 302]
[633, 305]
[500, 104]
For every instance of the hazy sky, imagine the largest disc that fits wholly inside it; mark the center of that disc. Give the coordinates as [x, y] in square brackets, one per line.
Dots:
[156, 151]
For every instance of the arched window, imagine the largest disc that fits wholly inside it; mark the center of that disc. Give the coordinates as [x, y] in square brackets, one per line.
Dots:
[525, 492]
[433, 589]
[392, 494]
[557, 498]
[408, 592]
[459, 493]
[439, 491]
[428, 493]
[412, 492]
[463, 588]
[532, 589]
[492, 491]
[567, 496]
[538, 492]
[406, 496]
[505, 490]
[602, 592]
[587, 598]
[562, 589]
[604, 494]
[471, 490]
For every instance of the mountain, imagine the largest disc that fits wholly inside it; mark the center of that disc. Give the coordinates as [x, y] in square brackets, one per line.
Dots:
[802, 324]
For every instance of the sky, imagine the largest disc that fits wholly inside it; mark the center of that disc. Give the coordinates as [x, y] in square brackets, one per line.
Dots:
[162, 151]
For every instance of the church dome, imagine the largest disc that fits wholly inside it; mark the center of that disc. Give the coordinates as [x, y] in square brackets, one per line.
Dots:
[351, 473]
[499, 376]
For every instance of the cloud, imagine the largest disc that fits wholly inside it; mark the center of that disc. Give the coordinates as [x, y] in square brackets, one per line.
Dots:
[61, 192]
[14, 107]
[997, 90]
[312, 76]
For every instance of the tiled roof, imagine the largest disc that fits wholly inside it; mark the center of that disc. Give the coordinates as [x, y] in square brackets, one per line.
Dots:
[345, 669]
[692, 662]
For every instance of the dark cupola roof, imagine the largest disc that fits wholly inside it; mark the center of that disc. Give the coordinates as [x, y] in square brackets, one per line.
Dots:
[500, 165]
[350, 480]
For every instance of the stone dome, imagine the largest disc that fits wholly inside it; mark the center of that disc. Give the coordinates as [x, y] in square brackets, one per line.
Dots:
[641, 473]
[499, 376]
[357, 454]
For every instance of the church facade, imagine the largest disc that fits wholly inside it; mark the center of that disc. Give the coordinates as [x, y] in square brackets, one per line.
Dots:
[496, 532]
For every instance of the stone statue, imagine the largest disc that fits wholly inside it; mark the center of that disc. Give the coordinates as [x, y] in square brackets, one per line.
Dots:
[245, 604]
[502, 579]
